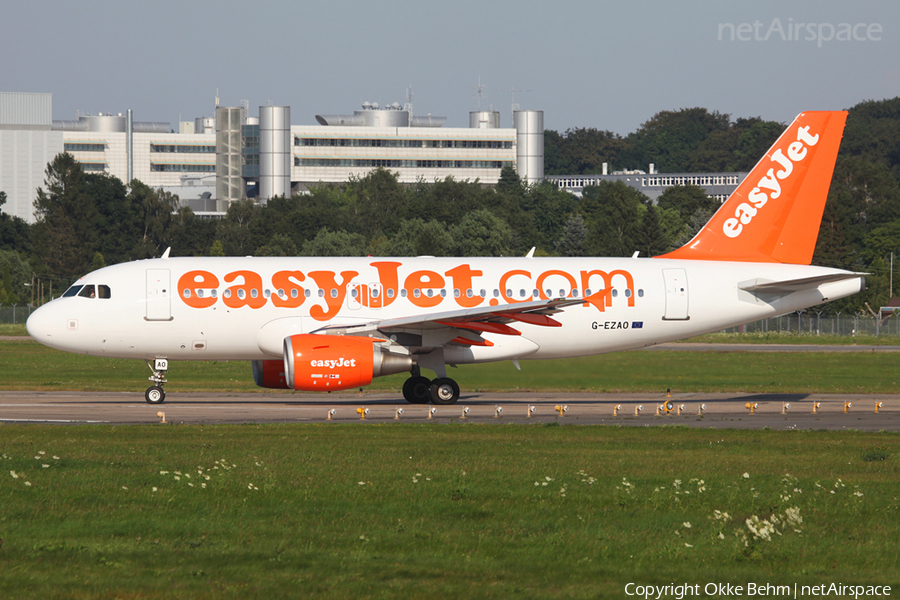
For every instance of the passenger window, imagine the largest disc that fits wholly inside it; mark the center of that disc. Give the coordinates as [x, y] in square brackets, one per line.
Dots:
[88, 291]
[72, 291]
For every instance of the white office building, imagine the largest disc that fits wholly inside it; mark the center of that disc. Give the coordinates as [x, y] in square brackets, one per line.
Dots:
[210, 162]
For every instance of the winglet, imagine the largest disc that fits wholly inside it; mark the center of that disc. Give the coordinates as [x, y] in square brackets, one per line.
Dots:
[166, 253]
[775, 213]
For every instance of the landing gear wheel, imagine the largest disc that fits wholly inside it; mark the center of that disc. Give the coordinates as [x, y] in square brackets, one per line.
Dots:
[155, 395]
[444, 391]
[416, 390]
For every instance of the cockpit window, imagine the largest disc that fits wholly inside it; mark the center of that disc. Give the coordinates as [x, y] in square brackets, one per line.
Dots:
[72, 291]
[103, 292]
[88, 291]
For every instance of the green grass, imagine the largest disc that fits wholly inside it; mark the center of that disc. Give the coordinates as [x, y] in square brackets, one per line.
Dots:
[436, 511]
[10, 329]
[30, 366]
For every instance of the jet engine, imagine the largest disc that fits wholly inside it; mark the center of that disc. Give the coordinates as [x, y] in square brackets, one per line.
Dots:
[269, 374]
[316, 363]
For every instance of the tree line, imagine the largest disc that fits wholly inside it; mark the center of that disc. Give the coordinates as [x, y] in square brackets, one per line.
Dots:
[87, 220]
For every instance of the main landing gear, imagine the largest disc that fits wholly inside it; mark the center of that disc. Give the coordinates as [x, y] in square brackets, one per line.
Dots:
[421, 390]
[155, 394]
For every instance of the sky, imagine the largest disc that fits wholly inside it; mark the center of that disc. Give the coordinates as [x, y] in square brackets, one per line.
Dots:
[609, 65]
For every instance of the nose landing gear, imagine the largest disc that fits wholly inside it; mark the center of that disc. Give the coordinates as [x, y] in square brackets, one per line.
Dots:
[155, 394]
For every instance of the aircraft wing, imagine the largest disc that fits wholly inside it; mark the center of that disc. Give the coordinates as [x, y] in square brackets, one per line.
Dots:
[788, 286]
[462, 326]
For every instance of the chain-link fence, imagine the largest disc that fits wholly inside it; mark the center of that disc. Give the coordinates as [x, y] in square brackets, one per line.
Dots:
[821, 324]
[15, 313]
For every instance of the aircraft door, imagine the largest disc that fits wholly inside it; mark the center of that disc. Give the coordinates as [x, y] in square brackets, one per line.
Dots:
[359, 295]
[676, 295]
[159, 295]
[376, 295]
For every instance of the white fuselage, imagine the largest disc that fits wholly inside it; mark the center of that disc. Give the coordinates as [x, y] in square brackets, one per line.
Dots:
[231, 310]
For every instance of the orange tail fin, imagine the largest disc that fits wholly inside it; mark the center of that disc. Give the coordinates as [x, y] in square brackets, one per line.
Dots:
[775, 213]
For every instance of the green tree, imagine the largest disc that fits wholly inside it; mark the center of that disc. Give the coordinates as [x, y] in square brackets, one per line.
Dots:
[65, 229]
[571, 243]
[15, 233]
[335, 243]
[191, 236]
[117, 218]
[97, 262]
[686, 199]
[480, 233]
[612, 215]
[670, 137]
[872, 133]
[651, 239]
[280, 245]
[217, 249]
[16, 273]
[416, 237]
[234, 231]
[155, 209]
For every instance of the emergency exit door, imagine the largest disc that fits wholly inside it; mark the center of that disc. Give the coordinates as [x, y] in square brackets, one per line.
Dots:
[676, 295]
[159, 295]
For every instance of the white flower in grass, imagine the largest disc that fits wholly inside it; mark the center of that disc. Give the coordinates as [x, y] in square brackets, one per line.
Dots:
[163, 472]
[14, 474]
[45, 466]
[28, 483]
[686, 524]
[154, 489]
[688, 545]
[55, 458]
[746, 475]
[721, 536]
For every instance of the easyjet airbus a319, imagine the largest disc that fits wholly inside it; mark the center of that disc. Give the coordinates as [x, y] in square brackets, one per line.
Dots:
[324, 324]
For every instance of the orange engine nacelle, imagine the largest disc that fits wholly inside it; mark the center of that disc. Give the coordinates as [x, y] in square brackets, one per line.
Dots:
[270, 374]
[316, 363]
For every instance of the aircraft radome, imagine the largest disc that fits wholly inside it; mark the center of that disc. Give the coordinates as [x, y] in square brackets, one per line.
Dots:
[325, 324]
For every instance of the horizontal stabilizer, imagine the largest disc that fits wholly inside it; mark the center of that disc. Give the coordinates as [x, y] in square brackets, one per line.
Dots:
[762, 286]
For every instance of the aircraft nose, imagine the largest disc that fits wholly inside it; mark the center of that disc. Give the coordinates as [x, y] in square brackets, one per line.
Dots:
[39, 325]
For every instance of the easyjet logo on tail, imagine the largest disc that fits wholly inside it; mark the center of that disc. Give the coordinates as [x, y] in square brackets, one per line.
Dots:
[769, 185]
